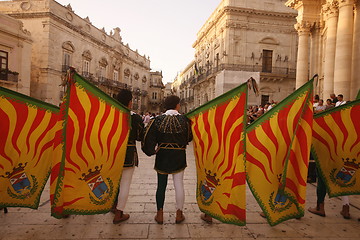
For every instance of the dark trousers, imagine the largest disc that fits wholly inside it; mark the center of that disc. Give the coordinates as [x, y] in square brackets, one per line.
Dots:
[320, 189]
[161, 189]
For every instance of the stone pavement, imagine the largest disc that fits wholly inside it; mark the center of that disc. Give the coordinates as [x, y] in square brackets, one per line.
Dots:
[22, 223]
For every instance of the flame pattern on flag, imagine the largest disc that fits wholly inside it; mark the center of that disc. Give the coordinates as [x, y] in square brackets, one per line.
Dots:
[218, 137]
[336, 148]
[27, 129]
[277, 155]
[94, 141]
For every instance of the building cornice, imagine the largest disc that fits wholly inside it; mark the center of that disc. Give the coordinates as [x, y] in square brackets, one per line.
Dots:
[229, 10]
[77, 30]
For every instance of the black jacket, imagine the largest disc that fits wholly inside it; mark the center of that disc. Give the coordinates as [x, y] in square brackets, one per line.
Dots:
[167, 137]
[136, 134]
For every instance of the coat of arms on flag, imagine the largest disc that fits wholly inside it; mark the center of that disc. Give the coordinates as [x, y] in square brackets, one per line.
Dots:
[96, 183]
[18, 179]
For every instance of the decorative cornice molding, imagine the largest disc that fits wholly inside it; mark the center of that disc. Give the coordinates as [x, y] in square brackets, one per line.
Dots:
[76, 29]
[229, 10]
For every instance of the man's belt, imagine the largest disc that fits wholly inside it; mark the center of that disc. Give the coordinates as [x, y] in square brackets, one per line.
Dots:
[172, 146]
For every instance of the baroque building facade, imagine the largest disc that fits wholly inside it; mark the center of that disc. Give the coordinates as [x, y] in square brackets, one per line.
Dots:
[156, 93]
[329, 45]
[15, 55]
[242, 39]
[62, 39]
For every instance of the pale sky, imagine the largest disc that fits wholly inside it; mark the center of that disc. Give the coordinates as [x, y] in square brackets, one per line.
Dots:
[164, 30]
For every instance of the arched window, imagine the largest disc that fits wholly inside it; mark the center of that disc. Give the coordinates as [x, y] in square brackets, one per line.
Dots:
[86, 59]
[68, 50]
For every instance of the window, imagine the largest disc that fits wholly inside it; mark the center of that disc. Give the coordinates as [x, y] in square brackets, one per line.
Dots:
[86, 67]
[116, 75]
[102, 71]
[68, 50]
[66, 61]
[3, 65]
[267, 61]
[154, 95]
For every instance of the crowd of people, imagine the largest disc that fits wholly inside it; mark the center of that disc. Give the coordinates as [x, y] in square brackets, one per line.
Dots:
[333, 101]
[254, 112]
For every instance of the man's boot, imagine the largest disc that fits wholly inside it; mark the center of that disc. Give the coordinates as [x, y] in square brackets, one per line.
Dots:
[345, 211]
[206, 218]
[179, 216]
[120, 216]
[159, 218]
[318, 210]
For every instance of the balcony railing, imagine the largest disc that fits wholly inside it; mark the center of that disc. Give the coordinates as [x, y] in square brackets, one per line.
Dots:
[105, 81]
[7, 75]
[158, 85]
[289, 72]
[64, 68]
[155, 101]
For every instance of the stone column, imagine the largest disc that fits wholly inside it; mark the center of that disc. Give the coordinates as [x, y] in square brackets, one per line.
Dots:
[355, 79]
[343, 53]
[331, 17]
[302, 67]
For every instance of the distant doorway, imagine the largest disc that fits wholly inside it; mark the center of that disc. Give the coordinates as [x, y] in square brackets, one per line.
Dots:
[264, 99]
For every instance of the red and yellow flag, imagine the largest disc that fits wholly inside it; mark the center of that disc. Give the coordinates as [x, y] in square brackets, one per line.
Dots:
[27, 130]
[277, 154]
[218, 131]
[336, 148]
[94, 141]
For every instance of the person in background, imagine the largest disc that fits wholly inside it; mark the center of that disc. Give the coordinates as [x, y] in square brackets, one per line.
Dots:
[146, 119]
[329, 104]
[320, 107]
[333, 98]
[167, 136]
[316, 101]
[131, 157]
[340, 101]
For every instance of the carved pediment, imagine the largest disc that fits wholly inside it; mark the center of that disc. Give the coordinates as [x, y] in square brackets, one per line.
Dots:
[103, 62]
[266, 90]
[87, 54]
[127, 72]
[68, 46]
[269, 40]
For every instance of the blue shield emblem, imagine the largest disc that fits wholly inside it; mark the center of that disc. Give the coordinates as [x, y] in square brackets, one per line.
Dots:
[20, 182]
[98, 187]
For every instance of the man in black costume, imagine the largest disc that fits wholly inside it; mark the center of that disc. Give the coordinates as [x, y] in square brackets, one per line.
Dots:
[167, 136]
